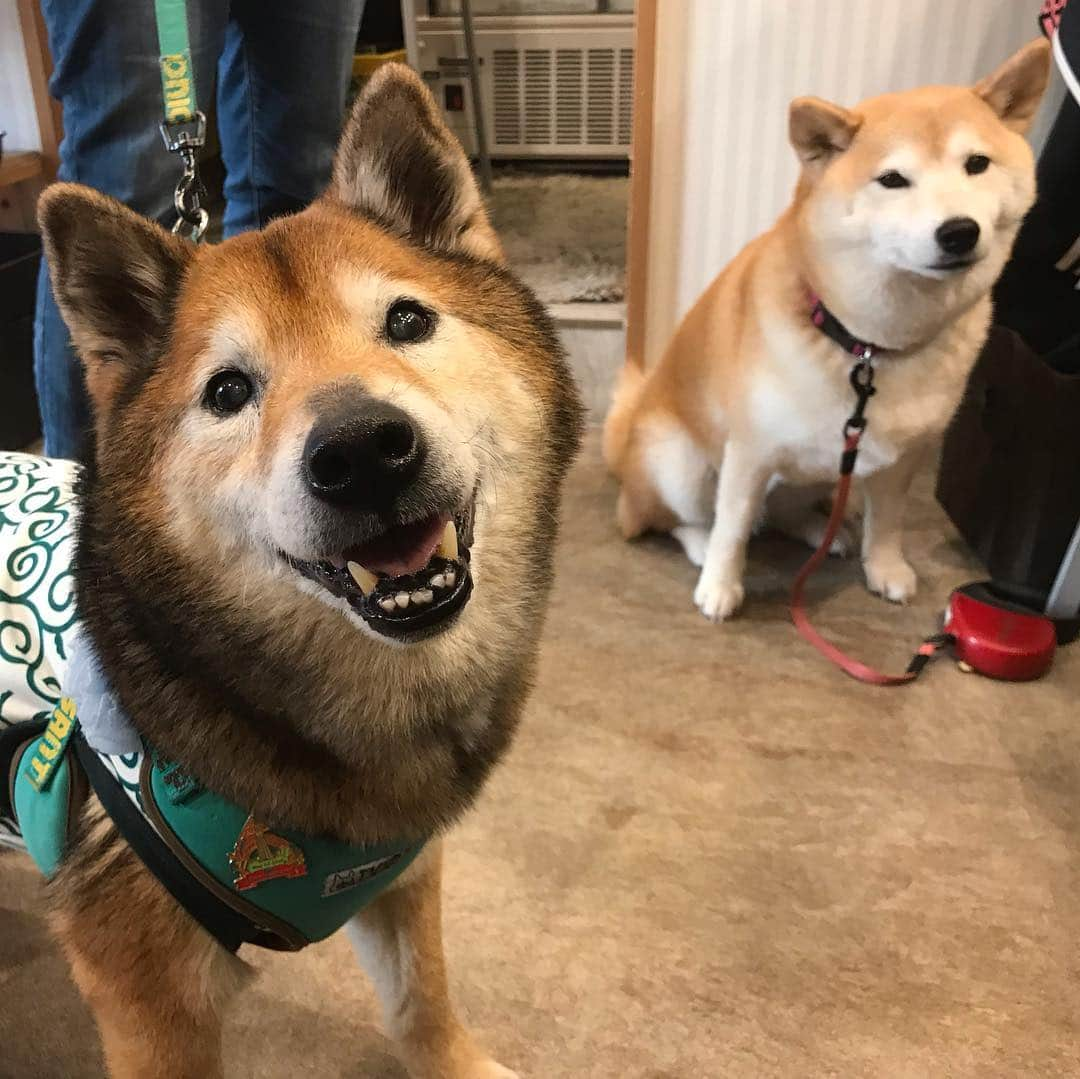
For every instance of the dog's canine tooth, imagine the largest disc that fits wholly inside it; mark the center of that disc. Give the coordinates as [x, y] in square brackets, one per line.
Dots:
[388, 604]
[438, 581]
[423, 595]
[365, 579]
[402, 599]
[448, 545]
[451, 577]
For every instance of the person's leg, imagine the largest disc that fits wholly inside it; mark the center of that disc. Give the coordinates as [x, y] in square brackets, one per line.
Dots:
[105, 75]
[282, 84]
[58, 378]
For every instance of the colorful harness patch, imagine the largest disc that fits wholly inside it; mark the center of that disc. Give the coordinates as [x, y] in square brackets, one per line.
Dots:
[48, 751]
[44, 793]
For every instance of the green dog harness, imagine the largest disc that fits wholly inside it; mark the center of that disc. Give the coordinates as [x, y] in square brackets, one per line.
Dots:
[244, 881]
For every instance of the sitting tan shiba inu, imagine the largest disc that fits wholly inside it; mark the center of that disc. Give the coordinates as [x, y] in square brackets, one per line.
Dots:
[902, 220]
[313, 556]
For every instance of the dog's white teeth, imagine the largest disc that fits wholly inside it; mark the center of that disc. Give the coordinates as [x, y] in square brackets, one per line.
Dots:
[366, 580]
[423, 595]
[448, 546]
[388, 604]
[438, 581]
[451, 577]
[402, 599]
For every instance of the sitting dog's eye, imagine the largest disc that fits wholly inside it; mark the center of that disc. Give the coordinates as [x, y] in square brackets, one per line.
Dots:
[409, 321]
[228, 391]
[892, 178]
[976, 163]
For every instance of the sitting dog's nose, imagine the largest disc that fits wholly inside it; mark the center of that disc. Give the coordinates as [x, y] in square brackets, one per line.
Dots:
[366, 460]
[958, 235]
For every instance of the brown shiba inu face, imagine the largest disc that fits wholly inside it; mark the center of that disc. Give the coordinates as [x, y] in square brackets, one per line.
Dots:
[932, 183]
[357, 407]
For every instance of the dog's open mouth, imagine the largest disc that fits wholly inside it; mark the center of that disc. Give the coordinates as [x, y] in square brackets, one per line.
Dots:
[408, 582]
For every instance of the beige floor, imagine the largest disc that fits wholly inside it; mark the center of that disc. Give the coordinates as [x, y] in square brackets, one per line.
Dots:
[711, 855]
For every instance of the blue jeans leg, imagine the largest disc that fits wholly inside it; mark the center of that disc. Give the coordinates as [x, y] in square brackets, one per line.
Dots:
[105, 75]
[282, 83]
[58, 377]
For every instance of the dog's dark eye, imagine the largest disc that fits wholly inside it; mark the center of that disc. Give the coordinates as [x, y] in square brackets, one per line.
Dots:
[409, 321]
[228, 391]
[976, 163]
[892, 178]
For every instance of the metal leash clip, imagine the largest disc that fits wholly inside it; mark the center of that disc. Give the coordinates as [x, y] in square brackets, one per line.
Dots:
[185, 137]
[862, 382]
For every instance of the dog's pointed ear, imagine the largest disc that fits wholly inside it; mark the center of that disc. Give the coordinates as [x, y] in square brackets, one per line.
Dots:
[1016, 88]
[114, 273]
[400, 163]
[819, 130]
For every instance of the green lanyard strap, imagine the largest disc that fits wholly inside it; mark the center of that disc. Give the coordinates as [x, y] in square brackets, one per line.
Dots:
[184, 126]
[177, 82]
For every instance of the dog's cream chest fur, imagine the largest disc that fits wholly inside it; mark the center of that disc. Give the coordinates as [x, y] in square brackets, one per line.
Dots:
[800, 397]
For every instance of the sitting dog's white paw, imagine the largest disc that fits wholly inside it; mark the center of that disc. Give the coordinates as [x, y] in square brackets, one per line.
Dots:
[489, 1069]
[718, 598]
[843, 543]
[891, 577]
[811, 530]
[456, 1066]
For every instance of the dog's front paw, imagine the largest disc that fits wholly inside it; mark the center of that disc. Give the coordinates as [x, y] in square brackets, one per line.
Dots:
[843, 542]
[457, 1058]
[718, 598]
[890, 577]
[490, 1069]
[811, 530]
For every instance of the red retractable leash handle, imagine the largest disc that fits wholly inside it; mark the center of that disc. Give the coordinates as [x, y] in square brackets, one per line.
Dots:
[862, 381]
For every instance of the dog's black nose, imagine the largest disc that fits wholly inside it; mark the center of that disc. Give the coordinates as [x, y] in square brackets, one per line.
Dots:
[364, 461]
[958, 235]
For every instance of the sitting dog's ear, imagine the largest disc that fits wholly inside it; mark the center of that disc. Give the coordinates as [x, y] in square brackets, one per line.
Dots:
[399, 162]
[819, 130]
[1016, 88]
[114, 273]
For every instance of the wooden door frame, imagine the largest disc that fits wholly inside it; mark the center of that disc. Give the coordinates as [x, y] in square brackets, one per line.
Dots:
[39, 63]
[23, 173]
[641, 149]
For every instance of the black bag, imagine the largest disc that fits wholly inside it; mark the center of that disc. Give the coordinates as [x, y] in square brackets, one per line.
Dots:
[1010, 468]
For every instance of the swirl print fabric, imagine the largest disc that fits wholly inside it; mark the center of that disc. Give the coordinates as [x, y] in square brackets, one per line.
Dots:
[37, 597]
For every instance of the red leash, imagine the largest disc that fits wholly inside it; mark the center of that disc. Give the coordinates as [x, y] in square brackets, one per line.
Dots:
[862, 381]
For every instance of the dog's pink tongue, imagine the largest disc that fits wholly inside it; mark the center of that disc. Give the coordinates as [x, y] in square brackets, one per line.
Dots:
[401, 550]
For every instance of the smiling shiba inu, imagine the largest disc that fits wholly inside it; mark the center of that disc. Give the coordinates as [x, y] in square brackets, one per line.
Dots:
[314, 555]
[902, 220]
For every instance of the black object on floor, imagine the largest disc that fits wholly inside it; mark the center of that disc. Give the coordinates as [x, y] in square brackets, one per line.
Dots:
[20, 255]
[1010, 467]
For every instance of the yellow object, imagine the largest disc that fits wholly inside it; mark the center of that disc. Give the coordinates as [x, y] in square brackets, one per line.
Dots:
[365, 64]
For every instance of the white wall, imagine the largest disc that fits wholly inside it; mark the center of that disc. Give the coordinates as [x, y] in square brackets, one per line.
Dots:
[726, 69]
[529, 7]
[17, 115]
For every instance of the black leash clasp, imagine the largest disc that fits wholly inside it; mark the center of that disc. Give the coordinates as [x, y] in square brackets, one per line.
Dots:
[862, 382]
[929, 648]
[186, 137]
